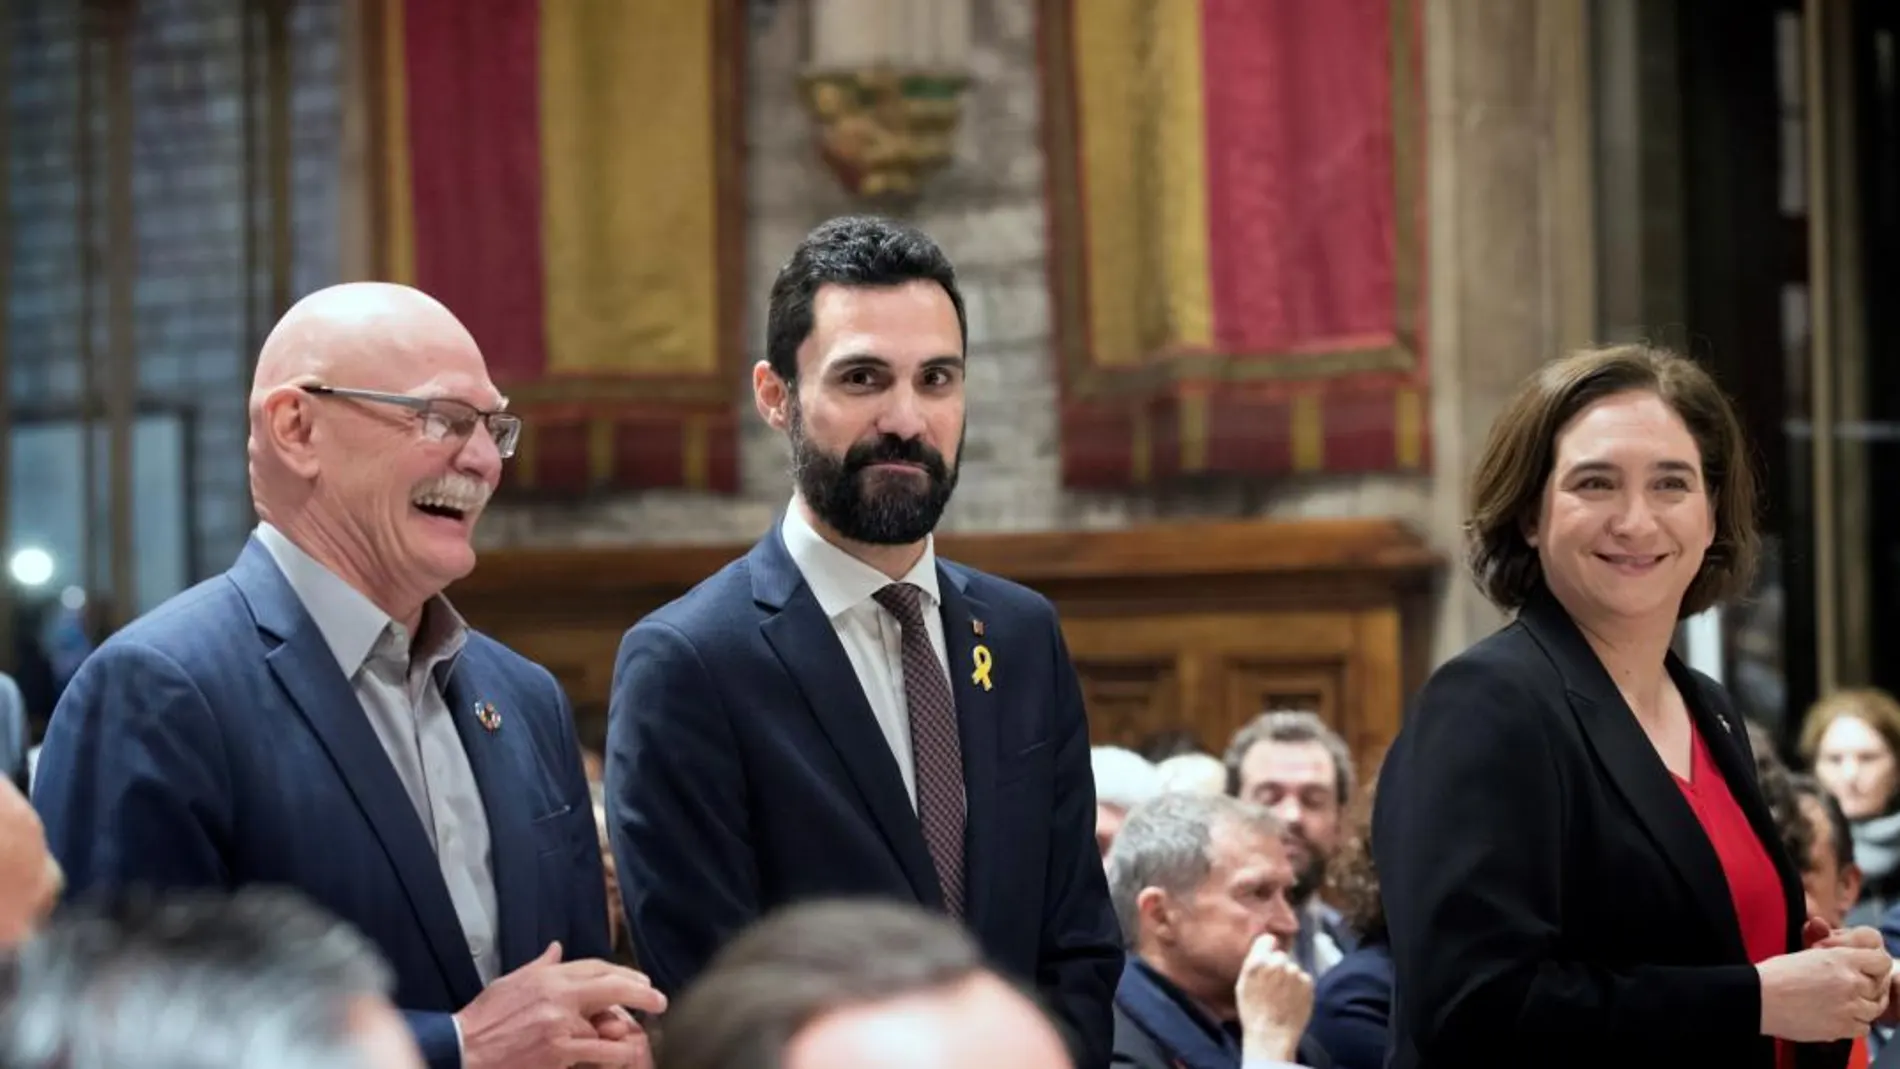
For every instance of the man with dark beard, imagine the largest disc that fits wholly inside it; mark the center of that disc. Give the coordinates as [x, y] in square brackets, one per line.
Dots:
[840, 712]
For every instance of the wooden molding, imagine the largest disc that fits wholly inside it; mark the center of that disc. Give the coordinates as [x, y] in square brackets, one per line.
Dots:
[1193, 626]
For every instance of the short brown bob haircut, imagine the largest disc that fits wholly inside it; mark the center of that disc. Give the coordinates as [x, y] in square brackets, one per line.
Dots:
[1875, 707]
[1507, 487]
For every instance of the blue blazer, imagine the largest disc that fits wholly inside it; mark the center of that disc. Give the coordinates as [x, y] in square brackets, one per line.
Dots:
[215, 743]
[1352, 1007]
[745, 770]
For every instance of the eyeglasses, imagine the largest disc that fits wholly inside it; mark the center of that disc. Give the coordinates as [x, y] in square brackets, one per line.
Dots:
[443, 418]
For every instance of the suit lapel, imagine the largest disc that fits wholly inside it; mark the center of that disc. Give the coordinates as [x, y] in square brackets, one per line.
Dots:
[310, 676]
[1635, 768]
[977, 710]
[496, 760]
[808, 647]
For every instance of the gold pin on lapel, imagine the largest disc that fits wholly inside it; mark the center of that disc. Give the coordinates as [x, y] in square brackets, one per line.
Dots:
[488, 716]
[976, 626]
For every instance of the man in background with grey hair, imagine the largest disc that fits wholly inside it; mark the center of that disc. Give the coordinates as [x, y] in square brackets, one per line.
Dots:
[261, 978]
[1301, 769]
[1200, 884]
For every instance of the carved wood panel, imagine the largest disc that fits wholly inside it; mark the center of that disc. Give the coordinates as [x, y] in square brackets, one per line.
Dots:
[1172, 626]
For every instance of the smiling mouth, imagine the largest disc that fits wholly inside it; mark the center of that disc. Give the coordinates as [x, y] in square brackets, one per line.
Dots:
[442, 512]
[1633, 560]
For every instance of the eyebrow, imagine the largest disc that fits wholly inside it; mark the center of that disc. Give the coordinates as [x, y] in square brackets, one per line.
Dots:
[1597, 467]
[858, 360]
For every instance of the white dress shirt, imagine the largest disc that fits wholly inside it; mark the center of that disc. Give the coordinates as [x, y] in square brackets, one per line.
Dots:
[397, 679]
[871, 636]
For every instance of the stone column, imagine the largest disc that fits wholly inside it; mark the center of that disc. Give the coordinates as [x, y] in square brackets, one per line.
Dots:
[1511, 271]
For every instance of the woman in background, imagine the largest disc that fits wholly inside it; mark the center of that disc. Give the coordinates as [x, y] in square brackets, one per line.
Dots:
[1575, 860]
[1851, 739]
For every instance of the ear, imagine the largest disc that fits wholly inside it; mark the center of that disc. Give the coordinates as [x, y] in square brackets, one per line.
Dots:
[286, 425]
[1156, 914]
[771, 395]
[1851, 880]
[1527, 526]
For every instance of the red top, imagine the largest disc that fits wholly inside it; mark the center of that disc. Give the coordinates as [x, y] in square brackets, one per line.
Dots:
[1753, 882]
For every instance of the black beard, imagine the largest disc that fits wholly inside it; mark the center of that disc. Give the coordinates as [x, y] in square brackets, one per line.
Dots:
[840, 490]
[1310, 880]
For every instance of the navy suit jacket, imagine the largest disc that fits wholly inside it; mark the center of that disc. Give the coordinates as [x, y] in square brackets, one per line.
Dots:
[1352, 1008]
[745, 770]
[215, 742]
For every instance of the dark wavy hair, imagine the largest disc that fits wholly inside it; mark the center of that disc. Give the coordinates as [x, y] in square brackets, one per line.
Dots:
[1353, 879]
[1507, 485]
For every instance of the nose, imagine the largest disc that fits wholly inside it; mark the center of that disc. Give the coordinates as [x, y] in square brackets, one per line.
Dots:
[480, 457]
[903, 413]
[1287, 810]
[1283, 923]
[1635, 517]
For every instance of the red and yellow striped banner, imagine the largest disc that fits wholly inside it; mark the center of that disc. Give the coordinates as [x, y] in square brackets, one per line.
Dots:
[565, 176]
[1237, 197]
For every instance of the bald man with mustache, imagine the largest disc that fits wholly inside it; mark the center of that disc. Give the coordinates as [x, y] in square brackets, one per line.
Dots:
[320, 717]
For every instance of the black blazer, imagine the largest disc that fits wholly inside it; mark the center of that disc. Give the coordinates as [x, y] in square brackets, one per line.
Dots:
[745, 772]
[1552, 899]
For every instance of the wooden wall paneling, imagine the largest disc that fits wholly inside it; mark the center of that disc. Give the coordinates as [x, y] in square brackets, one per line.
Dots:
[1196, 626]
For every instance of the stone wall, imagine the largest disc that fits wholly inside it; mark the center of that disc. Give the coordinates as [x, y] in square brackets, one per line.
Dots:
[987, 210]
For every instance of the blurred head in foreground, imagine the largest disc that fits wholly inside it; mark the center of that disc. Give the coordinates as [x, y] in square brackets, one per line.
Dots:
[856, 985]
[260, 978]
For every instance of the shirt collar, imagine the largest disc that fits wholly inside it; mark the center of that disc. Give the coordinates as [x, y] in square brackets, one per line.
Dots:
[840, 581]
[351, 624]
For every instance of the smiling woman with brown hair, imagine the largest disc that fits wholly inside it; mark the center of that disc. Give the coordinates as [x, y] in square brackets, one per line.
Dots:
[1577, 866]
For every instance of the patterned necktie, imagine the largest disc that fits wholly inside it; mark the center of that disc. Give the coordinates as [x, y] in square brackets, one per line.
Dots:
[935, 747]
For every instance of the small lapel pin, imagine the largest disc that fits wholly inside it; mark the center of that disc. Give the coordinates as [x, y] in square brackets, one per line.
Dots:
[981, 655]
[976, 627]
[487, 715]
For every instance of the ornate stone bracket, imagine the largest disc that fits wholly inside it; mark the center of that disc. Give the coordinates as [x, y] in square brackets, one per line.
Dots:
[884, 84]
[883, 131]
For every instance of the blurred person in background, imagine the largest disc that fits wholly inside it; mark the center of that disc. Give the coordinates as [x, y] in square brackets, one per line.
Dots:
[1195, 773]
[1293, 763]
[30, 879]
[1352, 1003]
[1851, 738]
[1123, 780]
[1575, 859]
[201, 981]
[16, 733]
[856, 984]
[1815, 833]
[1168, 742]
[1201, 887]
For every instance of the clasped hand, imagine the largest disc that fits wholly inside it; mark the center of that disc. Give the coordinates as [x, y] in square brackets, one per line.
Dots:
[551, 1014]
[1834, 989]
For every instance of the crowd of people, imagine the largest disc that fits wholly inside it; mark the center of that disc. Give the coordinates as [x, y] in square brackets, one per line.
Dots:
[848, 813]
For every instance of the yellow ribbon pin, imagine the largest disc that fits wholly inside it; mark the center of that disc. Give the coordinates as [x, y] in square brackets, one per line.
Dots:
[982, 674]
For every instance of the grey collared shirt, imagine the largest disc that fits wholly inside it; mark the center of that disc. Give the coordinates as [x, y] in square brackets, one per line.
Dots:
[397, 678]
